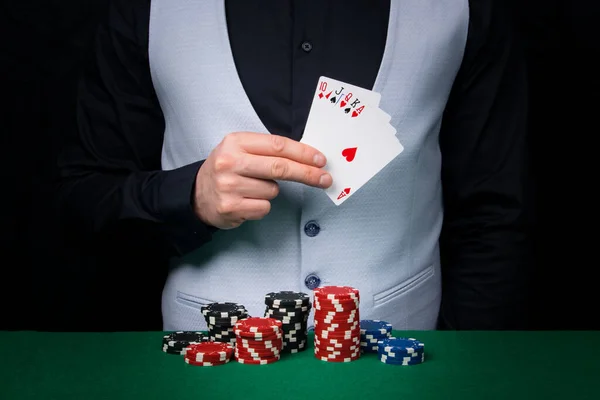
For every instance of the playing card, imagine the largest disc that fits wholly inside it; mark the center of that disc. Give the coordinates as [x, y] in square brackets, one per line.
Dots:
[357, 143]
[333, 96]
[356, 150]
[356, 161]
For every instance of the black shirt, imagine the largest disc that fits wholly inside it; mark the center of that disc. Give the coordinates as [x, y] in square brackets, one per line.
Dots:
[111, 170]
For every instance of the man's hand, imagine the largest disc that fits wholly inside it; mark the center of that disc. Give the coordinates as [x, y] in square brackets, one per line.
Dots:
[237, 180]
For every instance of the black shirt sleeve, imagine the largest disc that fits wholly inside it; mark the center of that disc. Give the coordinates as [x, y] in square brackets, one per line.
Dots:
[485, 246]
[110, 169]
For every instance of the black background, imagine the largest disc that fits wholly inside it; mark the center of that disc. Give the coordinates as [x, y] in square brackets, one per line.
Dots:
[51, 279]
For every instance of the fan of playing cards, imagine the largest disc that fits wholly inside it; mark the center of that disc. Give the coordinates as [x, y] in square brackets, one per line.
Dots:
[347, 126]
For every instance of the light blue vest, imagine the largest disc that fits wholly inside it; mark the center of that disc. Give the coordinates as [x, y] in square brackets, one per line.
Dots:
[383, 240]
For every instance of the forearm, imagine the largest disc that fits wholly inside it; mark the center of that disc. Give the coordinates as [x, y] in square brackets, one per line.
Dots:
[98, 201]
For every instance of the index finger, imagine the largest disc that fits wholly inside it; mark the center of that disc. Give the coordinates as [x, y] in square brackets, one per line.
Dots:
[279, 146]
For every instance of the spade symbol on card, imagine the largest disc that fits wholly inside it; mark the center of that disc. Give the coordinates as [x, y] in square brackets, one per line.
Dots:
[347, 110]
[332, 99]
[349, 153]
[344, 193]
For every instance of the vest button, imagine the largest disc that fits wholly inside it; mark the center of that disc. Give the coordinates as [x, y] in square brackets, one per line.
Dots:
[312, 281]
[307, 46]
[312, 229]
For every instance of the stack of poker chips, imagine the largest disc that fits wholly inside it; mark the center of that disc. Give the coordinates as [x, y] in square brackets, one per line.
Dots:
[258, 340]
[176, 342]
[221, 318]
[292, 309]
[371, 332]
[208, 354]
[337, 329]
[401, 351]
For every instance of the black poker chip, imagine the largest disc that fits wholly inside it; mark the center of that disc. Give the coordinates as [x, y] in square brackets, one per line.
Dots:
[169, 350]
[176, 342]
[296, 346]
[225, 322]
[293, 310]
[223, 310]
[287, 298]
[294, 316]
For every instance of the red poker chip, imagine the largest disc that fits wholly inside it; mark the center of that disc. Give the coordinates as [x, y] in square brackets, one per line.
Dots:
[259, 353]
[337, 325]
[334, 311]
[337, 292]
[348, 334]
[210, 348]
[336, 353]
[252, 346]
[324, 344]
[337, 356]
[340, 360]
[328, 335]
[205, 364]
[262, 325]
[260, 344]
[255, 357]
[332, 302]
[251, 356]
[336, 322]
[337, 343]
[199, 357]
[257, 362]
[259, 337]
[337, 311]
[257, 349]
[327, 331]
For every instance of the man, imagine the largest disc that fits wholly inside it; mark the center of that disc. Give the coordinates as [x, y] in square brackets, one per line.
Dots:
[190, 115]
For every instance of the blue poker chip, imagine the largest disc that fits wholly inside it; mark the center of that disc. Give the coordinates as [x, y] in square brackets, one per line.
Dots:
[373, 339]
[401, 355]
[402, 361]
[374, 327]
[401, 345]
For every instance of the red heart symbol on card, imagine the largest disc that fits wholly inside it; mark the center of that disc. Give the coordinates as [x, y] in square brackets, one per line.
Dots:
[349, 153]
[344, 193]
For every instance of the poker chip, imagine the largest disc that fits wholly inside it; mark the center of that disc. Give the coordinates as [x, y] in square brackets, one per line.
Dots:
[293, 310]
[286, 298]
[337, 324]
[176, 342]
[223, 310]
[371, 332]
[401, 351]
[220, 319]
[204, 364]
[258, 341]
[208, 354]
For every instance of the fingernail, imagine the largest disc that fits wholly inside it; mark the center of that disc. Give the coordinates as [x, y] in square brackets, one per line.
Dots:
[319, 160]
[325, 180]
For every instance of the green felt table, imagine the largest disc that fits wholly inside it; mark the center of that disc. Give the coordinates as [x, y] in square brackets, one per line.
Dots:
[459, 365]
